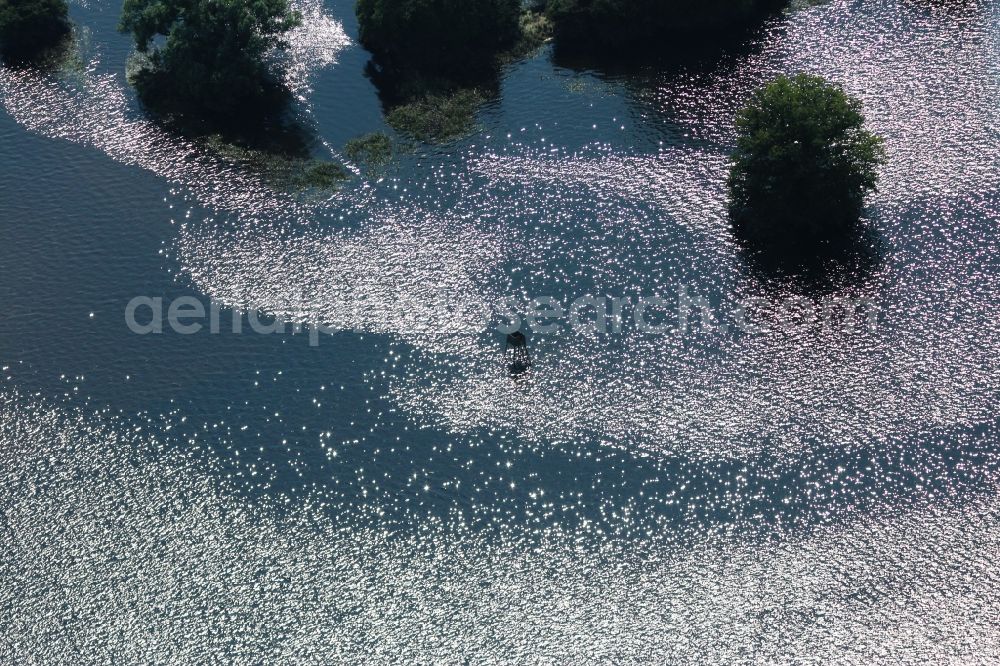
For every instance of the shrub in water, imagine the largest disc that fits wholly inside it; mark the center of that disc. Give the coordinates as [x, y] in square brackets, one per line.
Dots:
[803, 163]
[29, 25]
[373, 150]
[454, 38]
[438, 118]
[212, 62]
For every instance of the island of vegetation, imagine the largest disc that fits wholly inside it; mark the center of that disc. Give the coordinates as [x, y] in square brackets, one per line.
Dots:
[803, 164]
[457, 39]
[206, 68]
[643, 24]
[283, 169]
[371, 151]
[212, 59]
[28, 26]
[436, 61]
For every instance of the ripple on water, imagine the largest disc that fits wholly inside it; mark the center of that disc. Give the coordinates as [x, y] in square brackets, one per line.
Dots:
[598, 221]
[512, 219]
[121, 549]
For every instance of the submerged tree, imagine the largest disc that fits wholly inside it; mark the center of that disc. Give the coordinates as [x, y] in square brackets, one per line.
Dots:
[29, 25]
[436, 61]
[450, 38]
[803, 163]
[213, 62]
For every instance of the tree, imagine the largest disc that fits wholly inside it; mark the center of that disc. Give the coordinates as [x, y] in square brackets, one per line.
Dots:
[213, 62]
[803, 162]
[452, 38]
[28, 25]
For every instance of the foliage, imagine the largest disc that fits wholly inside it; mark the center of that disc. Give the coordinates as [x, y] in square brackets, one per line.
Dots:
[535, 30]
[630, 24]
[213, 60]
[803, 162]
[320, 175]
[29, 25]
[374, 150]
[438, 118]
[433, 58]
[281, 171]
[455, 38]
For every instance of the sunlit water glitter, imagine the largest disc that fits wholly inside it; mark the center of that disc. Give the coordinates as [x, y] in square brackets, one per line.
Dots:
[619, 224]
[119, 549]
[797, 447]
[599, 222]
[93, 108]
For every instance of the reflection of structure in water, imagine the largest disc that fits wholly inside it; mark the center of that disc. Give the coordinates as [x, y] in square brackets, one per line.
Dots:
[516, 354]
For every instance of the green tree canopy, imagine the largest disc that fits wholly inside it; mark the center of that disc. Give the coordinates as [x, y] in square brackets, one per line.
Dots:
[27, 25]
[456, 38]
[803, 162]
[214, 59]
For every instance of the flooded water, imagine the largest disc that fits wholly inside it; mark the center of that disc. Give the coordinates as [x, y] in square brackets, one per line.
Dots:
[384, 489]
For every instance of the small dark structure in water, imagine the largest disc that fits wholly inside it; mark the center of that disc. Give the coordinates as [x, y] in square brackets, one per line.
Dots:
[516, 354]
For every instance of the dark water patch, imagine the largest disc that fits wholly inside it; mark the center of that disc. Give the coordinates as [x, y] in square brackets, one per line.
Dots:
[815, 266]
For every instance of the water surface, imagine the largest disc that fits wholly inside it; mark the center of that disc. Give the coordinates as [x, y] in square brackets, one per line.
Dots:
[815, 495]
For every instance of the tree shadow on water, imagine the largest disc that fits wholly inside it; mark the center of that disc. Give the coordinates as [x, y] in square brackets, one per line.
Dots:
[682, 51]
[267, 122]
[814, 266]
[674, 82]
[681, 54]
[268, 138]
[48, 55]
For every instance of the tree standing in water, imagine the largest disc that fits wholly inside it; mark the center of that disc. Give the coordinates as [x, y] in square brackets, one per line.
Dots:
[27, 26]
[213, 61]
[456, 39]
[803, 163]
